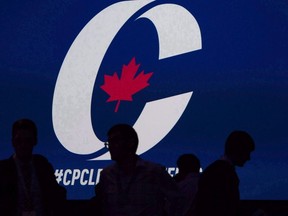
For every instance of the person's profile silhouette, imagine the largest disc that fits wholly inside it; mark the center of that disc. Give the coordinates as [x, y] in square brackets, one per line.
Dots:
[134, 186]
[218, 188]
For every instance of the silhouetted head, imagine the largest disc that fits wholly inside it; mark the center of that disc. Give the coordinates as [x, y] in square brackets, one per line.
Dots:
[188, 163]
[122, 142]
[24, 138]
[238, 147]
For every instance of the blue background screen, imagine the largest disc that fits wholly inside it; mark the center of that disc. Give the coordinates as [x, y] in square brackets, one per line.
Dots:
[239, 80]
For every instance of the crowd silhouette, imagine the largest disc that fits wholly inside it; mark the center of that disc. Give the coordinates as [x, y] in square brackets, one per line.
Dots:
[130, 186]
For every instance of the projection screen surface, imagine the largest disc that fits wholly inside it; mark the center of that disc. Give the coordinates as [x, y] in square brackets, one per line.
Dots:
[196, 71]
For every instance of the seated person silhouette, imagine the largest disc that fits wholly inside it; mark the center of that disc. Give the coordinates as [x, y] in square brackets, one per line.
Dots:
[132, 186]
[28, 185]
[218, 187]
[187, 178]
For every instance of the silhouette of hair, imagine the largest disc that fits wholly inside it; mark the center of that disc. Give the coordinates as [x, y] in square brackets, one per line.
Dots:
[24, 124]
[127, 133]
[239, 141]
[188, 163]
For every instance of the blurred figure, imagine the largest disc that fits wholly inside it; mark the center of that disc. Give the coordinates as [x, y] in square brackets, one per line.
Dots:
[133, 186]
[187, 178]
[28, 185]
[218, 187]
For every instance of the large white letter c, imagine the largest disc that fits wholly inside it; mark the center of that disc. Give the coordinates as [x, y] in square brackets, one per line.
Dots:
[71, 111]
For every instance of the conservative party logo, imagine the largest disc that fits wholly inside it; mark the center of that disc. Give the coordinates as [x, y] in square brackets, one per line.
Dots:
[178, 33]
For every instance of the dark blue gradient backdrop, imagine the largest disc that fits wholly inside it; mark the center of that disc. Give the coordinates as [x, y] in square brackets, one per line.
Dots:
[239, 80]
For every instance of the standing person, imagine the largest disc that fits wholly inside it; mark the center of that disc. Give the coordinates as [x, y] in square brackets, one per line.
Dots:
[133, 186]
[218, 188]
[28, 185]
[187, 178]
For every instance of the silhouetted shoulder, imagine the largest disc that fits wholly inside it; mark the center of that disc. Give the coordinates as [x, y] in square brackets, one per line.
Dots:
[150, 166]
[7, 165]
[219, 166]
[3, 162]
[218, 192]
[140, 165]
[40, 158]
[110, 168]
[218, 173]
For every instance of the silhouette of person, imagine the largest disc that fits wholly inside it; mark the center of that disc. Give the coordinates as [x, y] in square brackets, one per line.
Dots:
[28, 185]
[218, 187]
[132, 186]
[187, 179]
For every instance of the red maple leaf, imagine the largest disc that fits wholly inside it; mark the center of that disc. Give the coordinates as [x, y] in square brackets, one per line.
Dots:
[127, 85]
